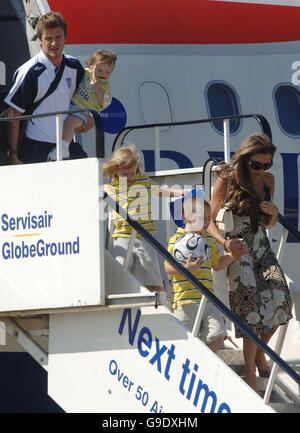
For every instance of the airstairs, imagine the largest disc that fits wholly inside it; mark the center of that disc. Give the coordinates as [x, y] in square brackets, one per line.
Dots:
[107, 343]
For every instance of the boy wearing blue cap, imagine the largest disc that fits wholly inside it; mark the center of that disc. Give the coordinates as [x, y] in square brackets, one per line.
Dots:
[186, 297]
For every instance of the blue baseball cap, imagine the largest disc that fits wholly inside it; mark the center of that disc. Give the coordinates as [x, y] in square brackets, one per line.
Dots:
[177, 204]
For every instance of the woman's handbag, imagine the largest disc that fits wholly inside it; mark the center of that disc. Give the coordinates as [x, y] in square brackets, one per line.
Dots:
[224, 218]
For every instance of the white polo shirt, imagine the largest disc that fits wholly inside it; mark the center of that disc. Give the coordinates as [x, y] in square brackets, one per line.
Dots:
[32, 80]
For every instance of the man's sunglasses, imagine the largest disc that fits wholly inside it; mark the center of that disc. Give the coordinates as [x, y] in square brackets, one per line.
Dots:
[256, 165]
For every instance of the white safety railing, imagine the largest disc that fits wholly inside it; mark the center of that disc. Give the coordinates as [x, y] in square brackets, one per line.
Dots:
[157, 127]
[98, 125]
[273, 379]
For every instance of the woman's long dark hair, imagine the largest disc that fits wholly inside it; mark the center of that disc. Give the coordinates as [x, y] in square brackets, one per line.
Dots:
[241, 194]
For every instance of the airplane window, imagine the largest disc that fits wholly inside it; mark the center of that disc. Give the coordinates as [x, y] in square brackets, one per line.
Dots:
[287, 107]
[222, 100]
[154, 103]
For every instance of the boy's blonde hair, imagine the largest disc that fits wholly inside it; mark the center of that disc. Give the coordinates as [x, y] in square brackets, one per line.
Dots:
[124, 157]
[103, 56]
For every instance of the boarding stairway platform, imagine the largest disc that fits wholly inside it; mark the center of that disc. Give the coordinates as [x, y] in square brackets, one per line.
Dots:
[108, 344]
[280, 399]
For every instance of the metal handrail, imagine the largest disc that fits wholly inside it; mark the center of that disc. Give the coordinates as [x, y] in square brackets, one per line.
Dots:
[99, 129]
[207, 170]
[288, 226]
[262, 121]
[211, 297]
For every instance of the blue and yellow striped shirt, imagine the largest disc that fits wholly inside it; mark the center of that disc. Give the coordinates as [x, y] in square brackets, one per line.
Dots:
[184, 292]
[136, 200]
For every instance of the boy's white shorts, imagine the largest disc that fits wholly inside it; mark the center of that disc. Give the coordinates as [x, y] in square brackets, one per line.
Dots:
[144, 263]
[212, 325]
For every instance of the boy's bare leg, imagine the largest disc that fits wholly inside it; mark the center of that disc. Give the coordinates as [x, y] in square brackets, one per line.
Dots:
[215, 345]
[70, 125]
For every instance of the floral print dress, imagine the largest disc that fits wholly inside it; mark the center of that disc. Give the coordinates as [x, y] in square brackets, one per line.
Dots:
[258, 292]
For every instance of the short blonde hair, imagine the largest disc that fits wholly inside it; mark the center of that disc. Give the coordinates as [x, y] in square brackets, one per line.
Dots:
[124, 157]
[103, 56]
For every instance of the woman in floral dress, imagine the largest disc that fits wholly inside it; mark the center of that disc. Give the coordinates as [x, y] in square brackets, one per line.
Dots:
[258, 292]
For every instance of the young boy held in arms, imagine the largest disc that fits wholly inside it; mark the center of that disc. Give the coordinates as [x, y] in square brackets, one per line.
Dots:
[94, 92]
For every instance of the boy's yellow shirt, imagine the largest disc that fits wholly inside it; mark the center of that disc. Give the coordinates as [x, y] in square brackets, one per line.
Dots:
[86, 97]
[184, 292]
[136, 200]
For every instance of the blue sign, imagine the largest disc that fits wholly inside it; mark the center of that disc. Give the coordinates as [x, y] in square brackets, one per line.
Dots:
[114, 117]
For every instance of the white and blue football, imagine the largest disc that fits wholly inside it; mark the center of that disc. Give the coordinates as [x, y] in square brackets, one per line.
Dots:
[191, 243]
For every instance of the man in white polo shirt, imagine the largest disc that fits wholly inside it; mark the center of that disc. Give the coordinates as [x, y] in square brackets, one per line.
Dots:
[31, 82]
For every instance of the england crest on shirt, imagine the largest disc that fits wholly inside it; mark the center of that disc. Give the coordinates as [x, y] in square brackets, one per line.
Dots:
[69, 82]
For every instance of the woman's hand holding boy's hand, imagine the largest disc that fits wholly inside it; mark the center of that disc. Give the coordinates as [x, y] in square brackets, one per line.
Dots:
[236, 247]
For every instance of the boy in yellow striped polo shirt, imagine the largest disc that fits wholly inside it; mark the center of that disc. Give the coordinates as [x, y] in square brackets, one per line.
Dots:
[186, 297]
[133, 190]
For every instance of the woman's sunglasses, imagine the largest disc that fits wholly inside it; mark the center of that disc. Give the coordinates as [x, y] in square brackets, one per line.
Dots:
[256, 165]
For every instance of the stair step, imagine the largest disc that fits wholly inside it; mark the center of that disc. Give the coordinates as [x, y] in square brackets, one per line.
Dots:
[232, 357]
[286, 407]
[235, 360]
[30, 323]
